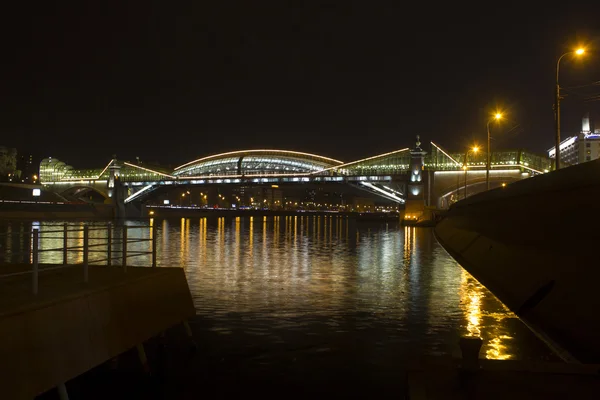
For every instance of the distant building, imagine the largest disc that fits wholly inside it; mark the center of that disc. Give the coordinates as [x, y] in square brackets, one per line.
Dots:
[581, 148]
[8, 163]
[267, 197]
[27, 169]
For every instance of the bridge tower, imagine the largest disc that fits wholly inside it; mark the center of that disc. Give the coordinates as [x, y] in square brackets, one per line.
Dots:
[114, 173]
[116, 190]
[415, 198]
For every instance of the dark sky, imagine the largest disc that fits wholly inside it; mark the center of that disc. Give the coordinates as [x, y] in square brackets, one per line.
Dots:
[345, 79]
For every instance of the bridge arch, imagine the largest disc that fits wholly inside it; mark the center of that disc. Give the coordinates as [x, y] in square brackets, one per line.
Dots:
[78, 191]
[256, 162]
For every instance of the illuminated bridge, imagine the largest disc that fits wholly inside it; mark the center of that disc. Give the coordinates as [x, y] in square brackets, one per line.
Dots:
[442, 177]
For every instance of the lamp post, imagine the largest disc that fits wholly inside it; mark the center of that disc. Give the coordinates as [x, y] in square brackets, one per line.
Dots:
[475, 149]
[577, 52]
[496, 117]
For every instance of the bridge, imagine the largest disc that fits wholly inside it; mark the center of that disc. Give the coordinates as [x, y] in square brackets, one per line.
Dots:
[434, 178]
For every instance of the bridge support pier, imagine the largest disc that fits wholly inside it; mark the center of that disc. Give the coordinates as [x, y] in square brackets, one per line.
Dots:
[415, 196]
[116, 190]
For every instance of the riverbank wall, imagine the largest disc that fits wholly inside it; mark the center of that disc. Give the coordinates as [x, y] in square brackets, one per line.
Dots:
[15, 209]
[31, 201]
[533, 244]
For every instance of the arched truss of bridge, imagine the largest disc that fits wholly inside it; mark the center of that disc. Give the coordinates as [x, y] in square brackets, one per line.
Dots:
[256, 163]
[54, 171]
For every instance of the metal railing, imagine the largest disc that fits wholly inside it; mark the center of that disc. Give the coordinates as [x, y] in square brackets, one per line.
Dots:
[115, 248]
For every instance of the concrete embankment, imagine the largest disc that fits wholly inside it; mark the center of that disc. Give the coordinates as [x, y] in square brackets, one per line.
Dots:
[70, 326]
[190, 212]
[534, 245]
[18, 201]
[34, 210]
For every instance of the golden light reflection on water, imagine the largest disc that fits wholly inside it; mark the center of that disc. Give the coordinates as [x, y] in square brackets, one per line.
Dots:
[483, 323]
[251, 235]
[358, 277]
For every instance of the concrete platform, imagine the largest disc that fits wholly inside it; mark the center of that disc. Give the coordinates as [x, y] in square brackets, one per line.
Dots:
[71, 327]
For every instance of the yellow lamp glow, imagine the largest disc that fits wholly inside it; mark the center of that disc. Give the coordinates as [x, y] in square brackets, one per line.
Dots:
[580, 51]
[475, 149]
[498, 116]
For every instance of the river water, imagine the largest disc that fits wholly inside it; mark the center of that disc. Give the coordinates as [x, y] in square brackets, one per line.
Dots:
[331, 279]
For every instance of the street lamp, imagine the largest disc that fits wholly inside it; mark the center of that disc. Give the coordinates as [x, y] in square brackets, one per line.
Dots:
[496, 117]
[577, 52]
[473, 150]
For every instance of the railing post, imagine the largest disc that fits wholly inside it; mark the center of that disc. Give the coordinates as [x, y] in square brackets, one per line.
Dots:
[124, 263]
[86, 241]
[65, 242]
[109, 245]
[34, 274]
[62, 391]
[153, 245]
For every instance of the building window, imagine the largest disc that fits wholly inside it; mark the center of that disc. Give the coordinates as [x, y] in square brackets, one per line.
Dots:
[588, 144]
[588, 158]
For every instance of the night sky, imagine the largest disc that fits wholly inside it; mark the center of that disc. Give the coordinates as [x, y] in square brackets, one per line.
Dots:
[83, 81]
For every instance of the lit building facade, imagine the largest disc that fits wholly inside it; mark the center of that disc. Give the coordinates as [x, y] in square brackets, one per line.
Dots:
[581, 148]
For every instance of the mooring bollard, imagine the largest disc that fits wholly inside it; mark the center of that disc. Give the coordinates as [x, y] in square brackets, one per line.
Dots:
[65, 243]
[109, 245]
[143, 358]
[188, 331]
[62, 391]
[124, 262]
[470, 346]
[34, 275]
[86, 241]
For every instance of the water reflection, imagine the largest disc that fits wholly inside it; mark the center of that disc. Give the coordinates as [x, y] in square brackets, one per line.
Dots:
[16, 244]
[485, 322]
[394, 285]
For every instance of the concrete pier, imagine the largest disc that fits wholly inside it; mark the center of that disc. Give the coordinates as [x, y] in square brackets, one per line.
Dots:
[71, 326]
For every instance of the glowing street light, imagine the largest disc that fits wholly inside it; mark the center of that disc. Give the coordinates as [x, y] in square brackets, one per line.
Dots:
[496, 117]
[473, 150]
[578, 52]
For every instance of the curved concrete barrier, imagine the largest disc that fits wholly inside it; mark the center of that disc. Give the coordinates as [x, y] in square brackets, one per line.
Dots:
[536, 245]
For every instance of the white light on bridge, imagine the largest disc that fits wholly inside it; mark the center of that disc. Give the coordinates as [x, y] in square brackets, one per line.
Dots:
[36, 193]
[166, 202]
